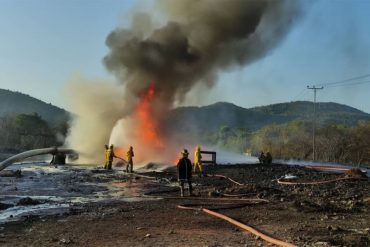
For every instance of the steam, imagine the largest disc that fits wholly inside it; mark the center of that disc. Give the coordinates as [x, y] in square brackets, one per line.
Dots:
[96, 106]
[200, 39]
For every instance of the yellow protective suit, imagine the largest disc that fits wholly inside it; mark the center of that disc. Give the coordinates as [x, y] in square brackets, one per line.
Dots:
[109, 154]
[198, 161]
[130, 163]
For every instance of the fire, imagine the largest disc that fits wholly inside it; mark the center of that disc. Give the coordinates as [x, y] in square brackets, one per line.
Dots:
[140, 130]
[146, 126]
[120, 152]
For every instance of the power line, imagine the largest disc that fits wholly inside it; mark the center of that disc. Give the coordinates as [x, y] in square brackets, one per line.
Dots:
[299, 95]
[346, 80]
[350, 84]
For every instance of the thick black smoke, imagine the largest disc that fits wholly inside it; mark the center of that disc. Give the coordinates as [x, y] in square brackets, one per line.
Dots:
[203, 38]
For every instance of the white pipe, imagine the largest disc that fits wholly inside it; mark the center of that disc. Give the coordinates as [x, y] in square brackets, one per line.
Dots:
[18, 157]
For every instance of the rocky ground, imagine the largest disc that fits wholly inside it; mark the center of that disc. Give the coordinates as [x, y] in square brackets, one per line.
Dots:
[333, 214]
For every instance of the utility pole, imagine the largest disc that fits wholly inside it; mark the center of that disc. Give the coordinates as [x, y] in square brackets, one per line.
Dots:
[314, 119]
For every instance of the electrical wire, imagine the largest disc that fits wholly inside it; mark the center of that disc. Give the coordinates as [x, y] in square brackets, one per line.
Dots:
[349, 84]
[345, 81]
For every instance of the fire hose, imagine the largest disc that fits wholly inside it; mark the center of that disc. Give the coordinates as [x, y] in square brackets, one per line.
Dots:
[228, 205]
[324, 168]
[328, 168]
[231, 220]
[245, 227]
[279, 181]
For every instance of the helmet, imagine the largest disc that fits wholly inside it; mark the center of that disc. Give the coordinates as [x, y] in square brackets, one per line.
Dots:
[185, 152]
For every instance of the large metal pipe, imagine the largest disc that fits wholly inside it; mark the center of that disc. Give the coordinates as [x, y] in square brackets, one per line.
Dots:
[18, 157]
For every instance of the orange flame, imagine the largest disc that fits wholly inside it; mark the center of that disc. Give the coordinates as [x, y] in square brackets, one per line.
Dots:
[147, 132]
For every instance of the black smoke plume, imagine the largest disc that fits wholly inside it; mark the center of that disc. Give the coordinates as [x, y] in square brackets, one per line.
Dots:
[202, 38]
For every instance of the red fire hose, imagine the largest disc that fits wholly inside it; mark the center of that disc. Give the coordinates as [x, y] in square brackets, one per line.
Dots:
[229, 206]
[239, 224]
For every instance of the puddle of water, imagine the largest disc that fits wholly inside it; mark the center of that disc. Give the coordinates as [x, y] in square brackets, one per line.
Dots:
[313, 163]
[15, 213]
[66, 186]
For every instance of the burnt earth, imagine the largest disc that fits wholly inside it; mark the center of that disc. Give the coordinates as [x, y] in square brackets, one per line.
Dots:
[334, 214]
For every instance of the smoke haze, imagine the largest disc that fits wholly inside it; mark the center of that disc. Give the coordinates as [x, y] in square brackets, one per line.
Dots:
[97, 106]
[201, 39]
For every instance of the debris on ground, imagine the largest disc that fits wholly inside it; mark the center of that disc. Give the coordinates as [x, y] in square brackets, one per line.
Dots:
[335, 214]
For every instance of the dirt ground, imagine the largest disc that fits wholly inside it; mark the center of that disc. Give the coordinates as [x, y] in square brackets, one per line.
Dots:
[333, 214]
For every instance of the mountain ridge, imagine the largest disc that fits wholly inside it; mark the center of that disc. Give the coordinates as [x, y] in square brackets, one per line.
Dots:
[12, 102]
[214, 116]
[205, 118]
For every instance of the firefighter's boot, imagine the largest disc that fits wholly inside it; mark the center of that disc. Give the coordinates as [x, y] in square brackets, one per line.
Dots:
[182, 190]
[191, 190]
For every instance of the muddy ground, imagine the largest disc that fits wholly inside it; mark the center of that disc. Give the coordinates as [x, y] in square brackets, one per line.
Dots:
[334, 214]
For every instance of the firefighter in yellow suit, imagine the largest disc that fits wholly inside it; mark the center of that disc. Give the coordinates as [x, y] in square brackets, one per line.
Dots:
[109, 155]
[130, 163]
[106, 155]
[198, 161]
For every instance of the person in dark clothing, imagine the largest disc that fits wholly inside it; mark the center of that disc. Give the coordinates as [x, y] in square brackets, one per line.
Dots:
[184, 171]
[268, 158]
[262, 158]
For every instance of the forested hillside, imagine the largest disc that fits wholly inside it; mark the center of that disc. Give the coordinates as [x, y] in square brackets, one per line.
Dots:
[342, 132]
[28, 123]
[213, 117]
[13, 103]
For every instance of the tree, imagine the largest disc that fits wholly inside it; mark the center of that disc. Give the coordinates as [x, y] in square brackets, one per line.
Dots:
[26, 131]
[359, 146]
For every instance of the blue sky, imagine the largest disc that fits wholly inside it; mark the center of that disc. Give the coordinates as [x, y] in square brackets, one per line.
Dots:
[45, 42]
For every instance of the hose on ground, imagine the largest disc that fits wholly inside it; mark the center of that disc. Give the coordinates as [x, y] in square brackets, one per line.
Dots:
[328, 168]
[279, 181]
[236, 223]
[225, 177]
[226, 203]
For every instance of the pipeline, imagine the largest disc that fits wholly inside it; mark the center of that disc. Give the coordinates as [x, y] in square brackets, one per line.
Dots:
[18, 157]
[318, 182]
[245, 227]
[328, 168]
[331, 168]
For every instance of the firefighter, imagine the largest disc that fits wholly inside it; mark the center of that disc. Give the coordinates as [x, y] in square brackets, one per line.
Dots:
[109, 157]
[106, 157]
[198, 161]
[130, 164]
[268, 158]
[262, 158]
[184, 169]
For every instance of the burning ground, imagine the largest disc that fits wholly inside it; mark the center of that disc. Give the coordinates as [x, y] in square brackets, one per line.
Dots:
[333, 214]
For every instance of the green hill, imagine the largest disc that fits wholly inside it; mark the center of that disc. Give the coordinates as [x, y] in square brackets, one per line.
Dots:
[326, 113]
[213, 117]
[12, 103]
